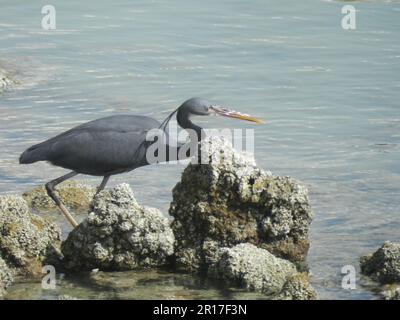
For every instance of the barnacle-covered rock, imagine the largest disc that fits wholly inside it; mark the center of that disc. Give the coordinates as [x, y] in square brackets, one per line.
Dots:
[119, 235]
[256, 269]
[5, 79]
[384, 264]
[75, 195]
[252, 268]
[27, 240]
[297, 287]
[6, 276]
[227, 200]
[391, 292]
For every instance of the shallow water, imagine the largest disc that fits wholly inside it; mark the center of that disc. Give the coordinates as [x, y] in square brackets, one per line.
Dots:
[331, 98]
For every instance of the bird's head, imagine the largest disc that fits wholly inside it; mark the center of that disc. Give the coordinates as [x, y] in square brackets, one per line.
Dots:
[202, 107]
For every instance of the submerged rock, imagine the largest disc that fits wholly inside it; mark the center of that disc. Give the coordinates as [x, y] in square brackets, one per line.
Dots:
[119, 235]
[391, 293]
[27, 240]
[252, 268]
[227, 200]
[255, 269]
[384, 264]
[297, 287]
[75, 195]
[5, 80]
[6, 276]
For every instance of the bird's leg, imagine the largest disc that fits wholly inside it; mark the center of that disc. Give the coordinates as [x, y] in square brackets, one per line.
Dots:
[51, 192]
[102, 184]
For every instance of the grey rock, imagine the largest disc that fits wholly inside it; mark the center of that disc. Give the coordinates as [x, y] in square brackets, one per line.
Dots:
[297, 287]
[27, 240]
[66, 297]
[252, 268]
[6, 276]
[75, 195]
[227, 200]
[384, 264]
[5, 80]
[255, 269]
[391, 292]
[119, 235]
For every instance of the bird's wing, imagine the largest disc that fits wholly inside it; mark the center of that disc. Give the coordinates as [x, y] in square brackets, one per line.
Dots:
[103, 146]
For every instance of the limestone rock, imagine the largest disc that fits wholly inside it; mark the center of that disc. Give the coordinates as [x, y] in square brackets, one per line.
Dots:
[76, 196]
[297, 287]
[6, 276]
[5, 80]
[227, 200]
[384, 264]
[27, 240]
[391, 292]
[253, 268]
[119, 235]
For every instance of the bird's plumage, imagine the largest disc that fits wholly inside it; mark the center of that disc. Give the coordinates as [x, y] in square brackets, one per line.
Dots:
[101, 147]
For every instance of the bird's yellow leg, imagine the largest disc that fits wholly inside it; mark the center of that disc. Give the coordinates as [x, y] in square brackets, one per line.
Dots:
[52, 194]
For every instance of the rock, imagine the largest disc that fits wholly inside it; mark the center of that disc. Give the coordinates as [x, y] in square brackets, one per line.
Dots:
[297, 287]
[391, 292]
[384, 264]
[27, 240]
[66, 297]
[6, 276]
[5, 80]
[227, 200]
[76, 196]
[252, 268]
[255, 269]
[119, 235]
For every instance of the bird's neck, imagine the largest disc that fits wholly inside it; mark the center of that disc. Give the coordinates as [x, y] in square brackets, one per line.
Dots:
[184, 122]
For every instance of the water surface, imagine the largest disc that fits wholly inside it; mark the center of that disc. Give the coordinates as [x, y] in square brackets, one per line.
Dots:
[331, 98]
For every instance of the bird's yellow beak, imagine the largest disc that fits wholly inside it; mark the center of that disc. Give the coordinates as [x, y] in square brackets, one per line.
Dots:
[235, 114]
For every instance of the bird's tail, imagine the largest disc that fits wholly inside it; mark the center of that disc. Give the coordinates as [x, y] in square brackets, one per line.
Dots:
[33, 154]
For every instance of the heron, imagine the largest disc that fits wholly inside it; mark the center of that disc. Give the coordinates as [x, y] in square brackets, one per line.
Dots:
[114, 144]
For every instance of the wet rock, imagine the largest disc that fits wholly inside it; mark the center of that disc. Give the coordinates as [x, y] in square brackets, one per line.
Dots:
[5, 79]
[384, 264]
[391, 292]
[6, 276]
[227, 200]
[75, 195]
[27, 240]
[119, 235]
[66, 297]
[252, 268]
[297, 287]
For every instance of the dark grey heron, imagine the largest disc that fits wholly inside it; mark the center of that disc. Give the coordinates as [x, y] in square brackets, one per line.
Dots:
[113, 145]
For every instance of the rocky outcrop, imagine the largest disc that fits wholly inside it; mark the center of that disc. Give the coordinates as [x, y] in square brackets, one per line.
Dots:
[227, 200]
[255, 269]
[27, 240]
[297, 287]
[75, 195]
[119, 235]
[384, 264]
[252, 268]
[6, 276]
[391, 292]
[5, 80]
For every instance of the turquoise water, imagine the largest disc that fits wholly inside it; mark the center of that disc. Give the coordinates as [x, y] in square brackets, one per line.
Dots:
[330, 96]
